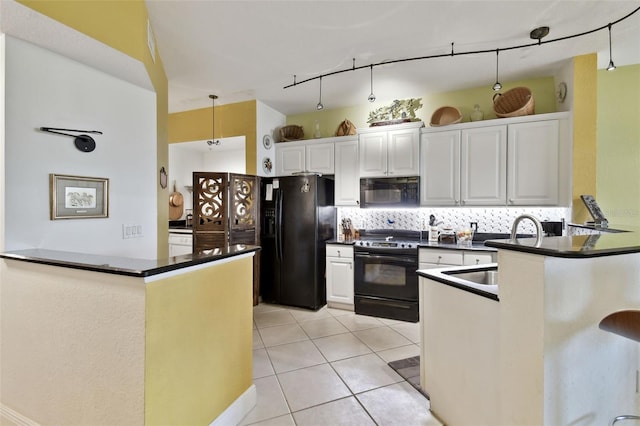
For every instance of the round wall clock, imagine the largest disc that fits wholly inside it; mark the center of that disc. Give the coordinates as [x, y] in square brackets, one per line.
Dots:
[267, 141]
[562, 92]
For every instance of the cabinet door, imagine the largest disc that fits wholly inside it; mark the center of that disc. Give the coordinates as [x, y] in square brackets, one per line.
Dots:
[472, 257]
[532, 167]
[440, 169]
[290, 160]
[320, 158]
[347, 178]
[483, 165]
[340, 280]
[403, 148]
[373, 154]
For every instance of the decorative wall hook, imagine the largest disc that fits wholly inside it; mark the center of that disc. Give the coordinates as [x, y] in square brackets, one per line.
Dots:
[84, 143]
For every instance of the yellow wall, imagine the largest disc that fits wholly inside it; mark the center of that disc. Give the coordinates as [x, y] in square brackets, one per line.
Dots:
[618, 169]
[191, 378]
[585, 108]
[543, 90]
[237, 119]
[122, 25]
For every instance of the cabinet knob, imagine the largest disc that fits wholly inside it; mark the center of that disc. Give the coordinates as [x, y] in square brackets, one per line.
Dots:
[462, 202]
[477, 261]
[510, 200]
[339, 255]
[358, 202]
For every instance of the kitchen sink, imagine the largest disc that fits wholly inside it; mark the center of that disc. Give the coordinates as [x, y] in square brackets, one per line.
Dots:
[481, 280]
[484, 236]
[483, 277]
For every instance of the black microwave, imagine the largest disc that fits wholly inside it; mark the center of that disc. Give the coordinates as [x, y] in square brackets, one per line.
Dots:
[390, 192]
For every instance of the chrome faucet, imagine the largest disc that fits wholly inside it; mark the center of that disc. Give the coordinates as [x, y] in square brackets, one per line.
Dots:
[536, 222]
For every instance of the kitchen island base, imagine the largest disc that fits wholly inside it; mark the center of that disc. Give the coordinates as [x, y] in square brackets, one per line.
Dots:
[87, 347]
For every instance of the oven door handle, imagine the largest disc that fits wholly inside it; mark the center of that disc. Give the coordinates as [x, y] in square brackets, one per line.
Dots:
[409, 260]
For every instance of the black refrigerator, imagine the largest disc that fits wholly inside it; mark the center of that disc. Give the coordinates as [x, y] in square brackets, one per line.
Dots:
[298, 218]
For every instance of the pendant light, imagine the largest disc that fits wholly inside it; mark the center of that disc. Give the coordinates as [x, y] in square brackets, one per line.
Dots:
[497, 86]
[611, 66]
[320, 106]
[213, 140]
[371, 97]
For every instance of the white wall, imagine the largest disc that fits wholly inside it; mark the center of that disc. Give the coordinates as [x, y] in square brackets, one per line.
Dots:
[46, 89]
[2, 174]
[268, 120]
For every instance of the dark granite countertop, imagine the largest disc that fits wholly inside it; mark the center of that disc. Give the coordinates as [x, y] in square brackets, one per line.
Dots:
[124, 265]
[577, 246]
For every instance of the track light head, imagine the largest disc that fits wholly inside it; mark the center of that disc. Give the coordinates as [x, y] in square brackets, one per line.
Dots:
[371, 97]
[320, 106]
[611, 66]
[497, 87]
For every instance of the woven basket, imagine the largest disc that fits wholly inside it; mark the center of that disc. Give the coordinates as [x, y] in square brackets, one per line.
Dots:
[291, 133]
[514, 103]
[446, 115]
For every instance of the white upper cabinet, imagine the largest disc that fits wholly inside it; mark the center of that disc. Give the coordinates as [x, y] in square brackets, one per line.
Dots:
[392, 152]
[483, 166]
[532, 167]
[347, 178]
[304, 157]
[440, 168]
[524, 162]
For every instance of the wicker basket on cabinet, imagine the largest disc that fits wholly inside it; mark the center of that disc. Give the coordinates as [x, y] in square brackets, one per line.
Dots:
[291, 132]
[514, 103]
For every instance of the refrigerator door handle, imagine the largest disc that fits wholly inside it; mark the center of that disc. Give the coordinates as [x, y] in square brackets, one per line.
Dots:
[279, 226]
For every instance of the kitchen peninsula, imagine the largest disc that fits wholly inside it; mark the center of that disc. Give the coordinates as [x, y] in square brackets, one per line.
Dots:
[544, 359]
[90, 339]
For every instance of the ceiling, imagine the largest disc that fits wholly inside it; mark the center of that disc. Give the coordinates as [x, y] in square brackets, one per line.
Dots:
[243, 50]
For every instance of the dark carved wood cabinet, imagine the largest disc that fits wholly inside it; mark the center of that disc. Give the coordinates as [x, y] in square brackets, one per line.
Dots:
[225, 212]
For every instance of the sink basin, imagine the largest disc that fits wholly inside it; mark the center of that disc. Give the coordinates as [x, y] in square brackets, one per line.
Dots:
[484, 277]
[481, 280]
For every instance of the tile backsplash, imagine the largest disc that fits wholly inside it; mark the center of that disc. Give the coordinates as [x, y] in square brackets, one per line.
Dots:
[490, 219]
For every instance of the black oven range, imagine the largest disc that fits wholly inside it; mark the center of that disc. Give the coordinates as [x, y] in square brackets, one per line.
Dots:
[385, 279]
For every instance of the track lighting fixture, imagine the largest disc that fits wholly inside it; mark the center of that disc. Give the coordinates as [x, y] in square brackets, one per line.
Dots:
[320, 106]
[497, 86]
[371, 97]
[213, 140]
[611, 66]
[536, 34]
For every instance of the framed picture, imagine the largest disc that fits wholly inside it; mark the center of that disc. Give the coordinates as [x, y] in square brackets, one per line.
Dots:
[78, 197]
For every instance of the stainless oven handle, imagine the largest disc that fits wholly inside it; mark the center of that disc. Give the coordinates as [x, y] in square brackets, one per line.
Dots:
[411, 260]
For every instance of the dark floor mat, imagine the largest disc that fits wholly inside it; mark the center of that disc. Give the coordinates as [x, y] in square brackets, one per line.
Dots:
[409, 369]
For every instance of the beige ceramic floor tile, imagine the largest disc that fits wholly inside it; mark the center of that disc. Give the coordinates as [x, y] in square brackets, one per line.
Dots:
[343, 412]
[282, 334]
[271, 318]
[266, 307]
[356, 322]
[339, 312]
[366, 372]
[398, 404]
[379, 339]
[307, 314]
[286, 420]
[410, 330]
[402, 352]
[271, 402]
[293, 356]
[341, 346]
[323, 327]
[312, 386]
[261, 364]
[257, 340]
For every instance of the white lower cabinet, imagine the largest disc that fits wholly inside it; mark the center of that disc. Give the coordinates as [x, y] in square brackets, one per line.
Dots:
[429, 258]
[180, 243]
[340, 276]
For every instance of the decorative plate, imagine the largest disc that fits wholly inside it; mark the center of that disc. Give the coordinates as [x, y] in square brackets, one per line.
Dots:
[267, 141]
[267, 165]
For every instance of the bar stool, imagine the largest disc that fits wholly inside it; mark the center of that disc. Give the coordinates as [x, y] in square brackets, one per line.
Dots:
[626, 324]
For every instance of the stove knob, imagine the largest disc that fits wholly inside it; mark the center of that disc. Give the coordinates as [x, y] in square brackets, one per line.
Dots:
[367, 244]
[402, 245]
